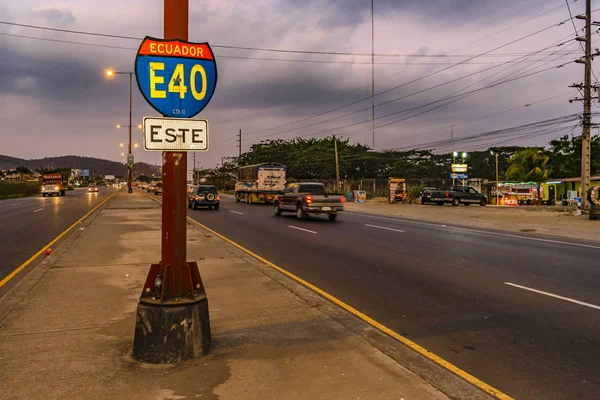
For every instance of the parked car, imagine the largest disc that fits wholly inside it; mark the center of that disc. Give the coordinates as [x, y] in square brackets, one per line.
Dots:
[459, 195]
[426, 194]
[158, 188]
[151, 187]
[309, 198]
[204, 196]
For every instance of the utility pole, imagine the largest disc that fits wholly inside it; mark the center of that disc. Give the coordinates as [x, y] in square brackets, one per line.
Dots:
[223, 171]
[587, 108]
[373, 70]
[337, 165]
[240, 144]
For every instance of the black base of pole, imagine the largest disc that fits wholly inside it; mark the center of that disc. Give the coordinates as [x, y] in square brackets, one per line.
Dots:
[170, 334]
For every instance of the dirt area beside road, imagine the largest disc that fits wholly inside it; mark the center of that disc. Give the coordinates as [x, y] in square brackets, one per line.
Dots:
[555, 221]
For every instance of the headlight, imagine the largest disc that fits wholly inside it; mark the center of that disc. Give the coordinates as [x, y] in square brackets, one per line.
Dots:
[55, 187]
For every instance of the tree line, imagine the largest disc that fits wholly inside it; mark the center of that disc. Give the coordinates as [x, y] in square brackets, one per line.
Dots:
[315, 159]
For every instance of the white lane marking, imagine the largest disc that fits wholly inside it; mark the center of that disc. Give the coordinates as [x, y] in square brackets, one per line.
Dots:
[301, 229]
[62, 202]
[383, 227]
[554, 295]
[473, 230]
[38, 210]
[236, 212]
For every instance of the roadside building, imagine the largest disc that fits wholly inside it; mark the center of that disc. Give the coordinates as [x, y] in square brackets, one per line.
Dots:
[566, 190]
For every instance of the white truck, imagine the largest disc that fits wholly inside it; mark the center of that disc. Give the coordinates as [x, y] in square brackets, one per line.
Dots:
[260, 183]
[54, 183]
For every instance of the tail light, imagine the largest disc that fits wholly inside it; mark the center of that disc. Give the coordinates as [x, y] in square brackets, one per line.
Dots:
[218, 197]
[308, 199]
[342, 199]
[281, 201]
[197, 197]
[446, 194]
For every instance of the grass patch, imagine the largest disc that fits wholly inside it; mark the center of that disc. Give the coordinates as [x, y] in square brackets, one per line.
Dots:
[11, 190]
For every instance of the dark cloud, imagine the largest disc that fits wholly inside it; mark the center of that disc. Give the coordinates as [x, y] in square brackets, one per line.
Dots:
[53, 17]
[66, 82]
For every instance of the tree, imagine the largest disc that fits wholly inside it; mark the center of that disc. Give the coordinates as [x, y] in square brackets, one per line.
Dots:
[565, 157]
[144, 178]
[529, 165]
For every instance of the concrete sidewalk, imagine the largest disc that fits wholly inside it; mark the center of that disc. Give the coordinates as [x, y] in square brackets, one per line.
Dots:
[68, 331]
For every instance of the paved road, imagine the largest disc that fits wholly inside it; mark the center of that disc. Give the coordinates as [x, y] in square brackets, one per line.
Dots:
[29, 223]
[451, 291]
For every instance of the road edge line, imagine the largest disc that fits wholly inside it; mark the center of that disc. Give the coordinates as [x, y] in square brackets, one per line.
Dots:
[21, 267]
[409, 343]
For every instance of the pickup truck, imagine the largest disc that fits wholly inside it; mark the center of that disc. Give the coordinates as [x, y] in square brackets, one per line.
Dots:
[458, 195]
[308, 198]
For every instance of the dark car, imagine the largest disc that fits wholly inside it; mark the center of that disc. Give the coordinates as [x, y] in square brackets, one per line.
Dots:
[158, 188]
[426, 194]
[459, 195]
[204, 196]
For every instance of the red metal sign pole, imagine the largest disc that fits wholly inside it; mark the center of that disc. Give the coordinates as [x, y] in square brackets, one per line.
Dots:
[172, 322]
[174, 210]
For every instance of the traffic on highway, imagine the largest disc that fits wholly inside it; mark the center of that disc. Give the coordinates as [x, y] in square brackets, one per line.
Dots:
[479, 299]
[300, 200]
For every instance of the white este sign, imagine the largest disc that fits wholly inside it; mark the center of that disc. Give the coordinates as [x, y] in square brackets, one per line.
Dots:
[175, 134]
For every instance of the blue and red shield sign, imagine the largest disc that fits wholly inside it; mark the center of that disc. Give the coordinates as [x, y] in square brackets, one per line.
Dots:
[176, 77]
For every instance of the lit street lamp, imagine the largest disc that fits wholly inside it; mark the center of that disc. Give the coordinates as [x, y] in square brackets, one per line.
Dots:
[110, 73]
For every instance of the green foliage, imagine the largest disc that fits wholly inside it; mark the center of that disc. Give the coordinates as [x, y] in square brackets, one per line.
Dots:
[22, 170]
[414, 192]
[314, 158]
[565, 157]
[144, 178]
[18, 189]
[529, 165]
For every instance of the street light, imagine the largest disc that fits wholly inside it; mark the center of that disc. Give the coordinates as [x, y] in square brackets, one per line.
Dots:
[497, 181]
[110, 73]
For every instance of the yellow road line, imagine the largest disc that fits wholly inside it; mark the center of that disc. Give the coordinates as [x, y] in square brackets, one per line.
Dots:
[419, 349]
[56, 239]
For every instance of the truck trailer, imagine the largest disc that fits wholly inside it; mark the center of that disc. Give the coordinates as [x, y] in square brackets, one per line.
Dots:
[260, 183]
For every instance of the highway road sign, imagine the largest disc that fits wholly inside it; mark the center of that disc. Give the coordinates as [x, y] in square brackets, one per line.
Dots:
[176, 77]
[175, 134]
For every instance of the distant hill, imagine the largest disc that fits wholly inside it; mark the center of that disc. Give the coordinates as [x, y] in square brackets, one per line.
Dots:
[97, 166]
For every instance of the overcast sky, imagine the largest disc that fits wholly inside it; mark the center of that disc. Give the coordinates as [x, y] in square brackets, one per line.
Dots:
[55, 100]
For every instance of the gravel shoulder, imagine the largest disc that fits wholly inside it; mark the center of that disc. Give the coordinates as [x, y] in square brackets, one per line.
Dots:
[552, 221]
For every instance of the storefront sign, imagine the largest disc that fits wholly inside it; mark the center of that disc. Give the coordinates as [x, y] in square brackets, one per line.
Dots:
[459, 167]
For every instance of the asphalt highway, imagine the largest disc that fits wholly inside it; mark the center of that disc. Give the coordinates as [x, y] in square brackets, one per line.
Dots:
[522, 315]
[29, 223]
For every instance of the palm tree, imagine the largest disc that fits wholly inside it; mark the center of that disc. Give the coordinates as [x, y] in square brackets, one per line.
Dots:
[529, 165]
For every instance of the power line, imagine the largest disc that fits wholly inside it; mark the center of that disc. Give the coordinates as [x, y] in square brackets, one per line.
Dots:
[291, 51]
[480, 118]
[254, 58]
[388, 102]
[417, 79]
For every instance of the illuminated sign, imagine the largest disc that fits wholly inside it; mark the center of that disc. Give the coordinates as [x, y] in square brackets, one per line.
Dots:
[459, 167]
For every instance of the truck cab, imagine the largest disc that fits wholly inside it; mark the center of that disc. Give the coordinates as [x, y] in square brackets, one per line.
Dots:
[53, 183]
